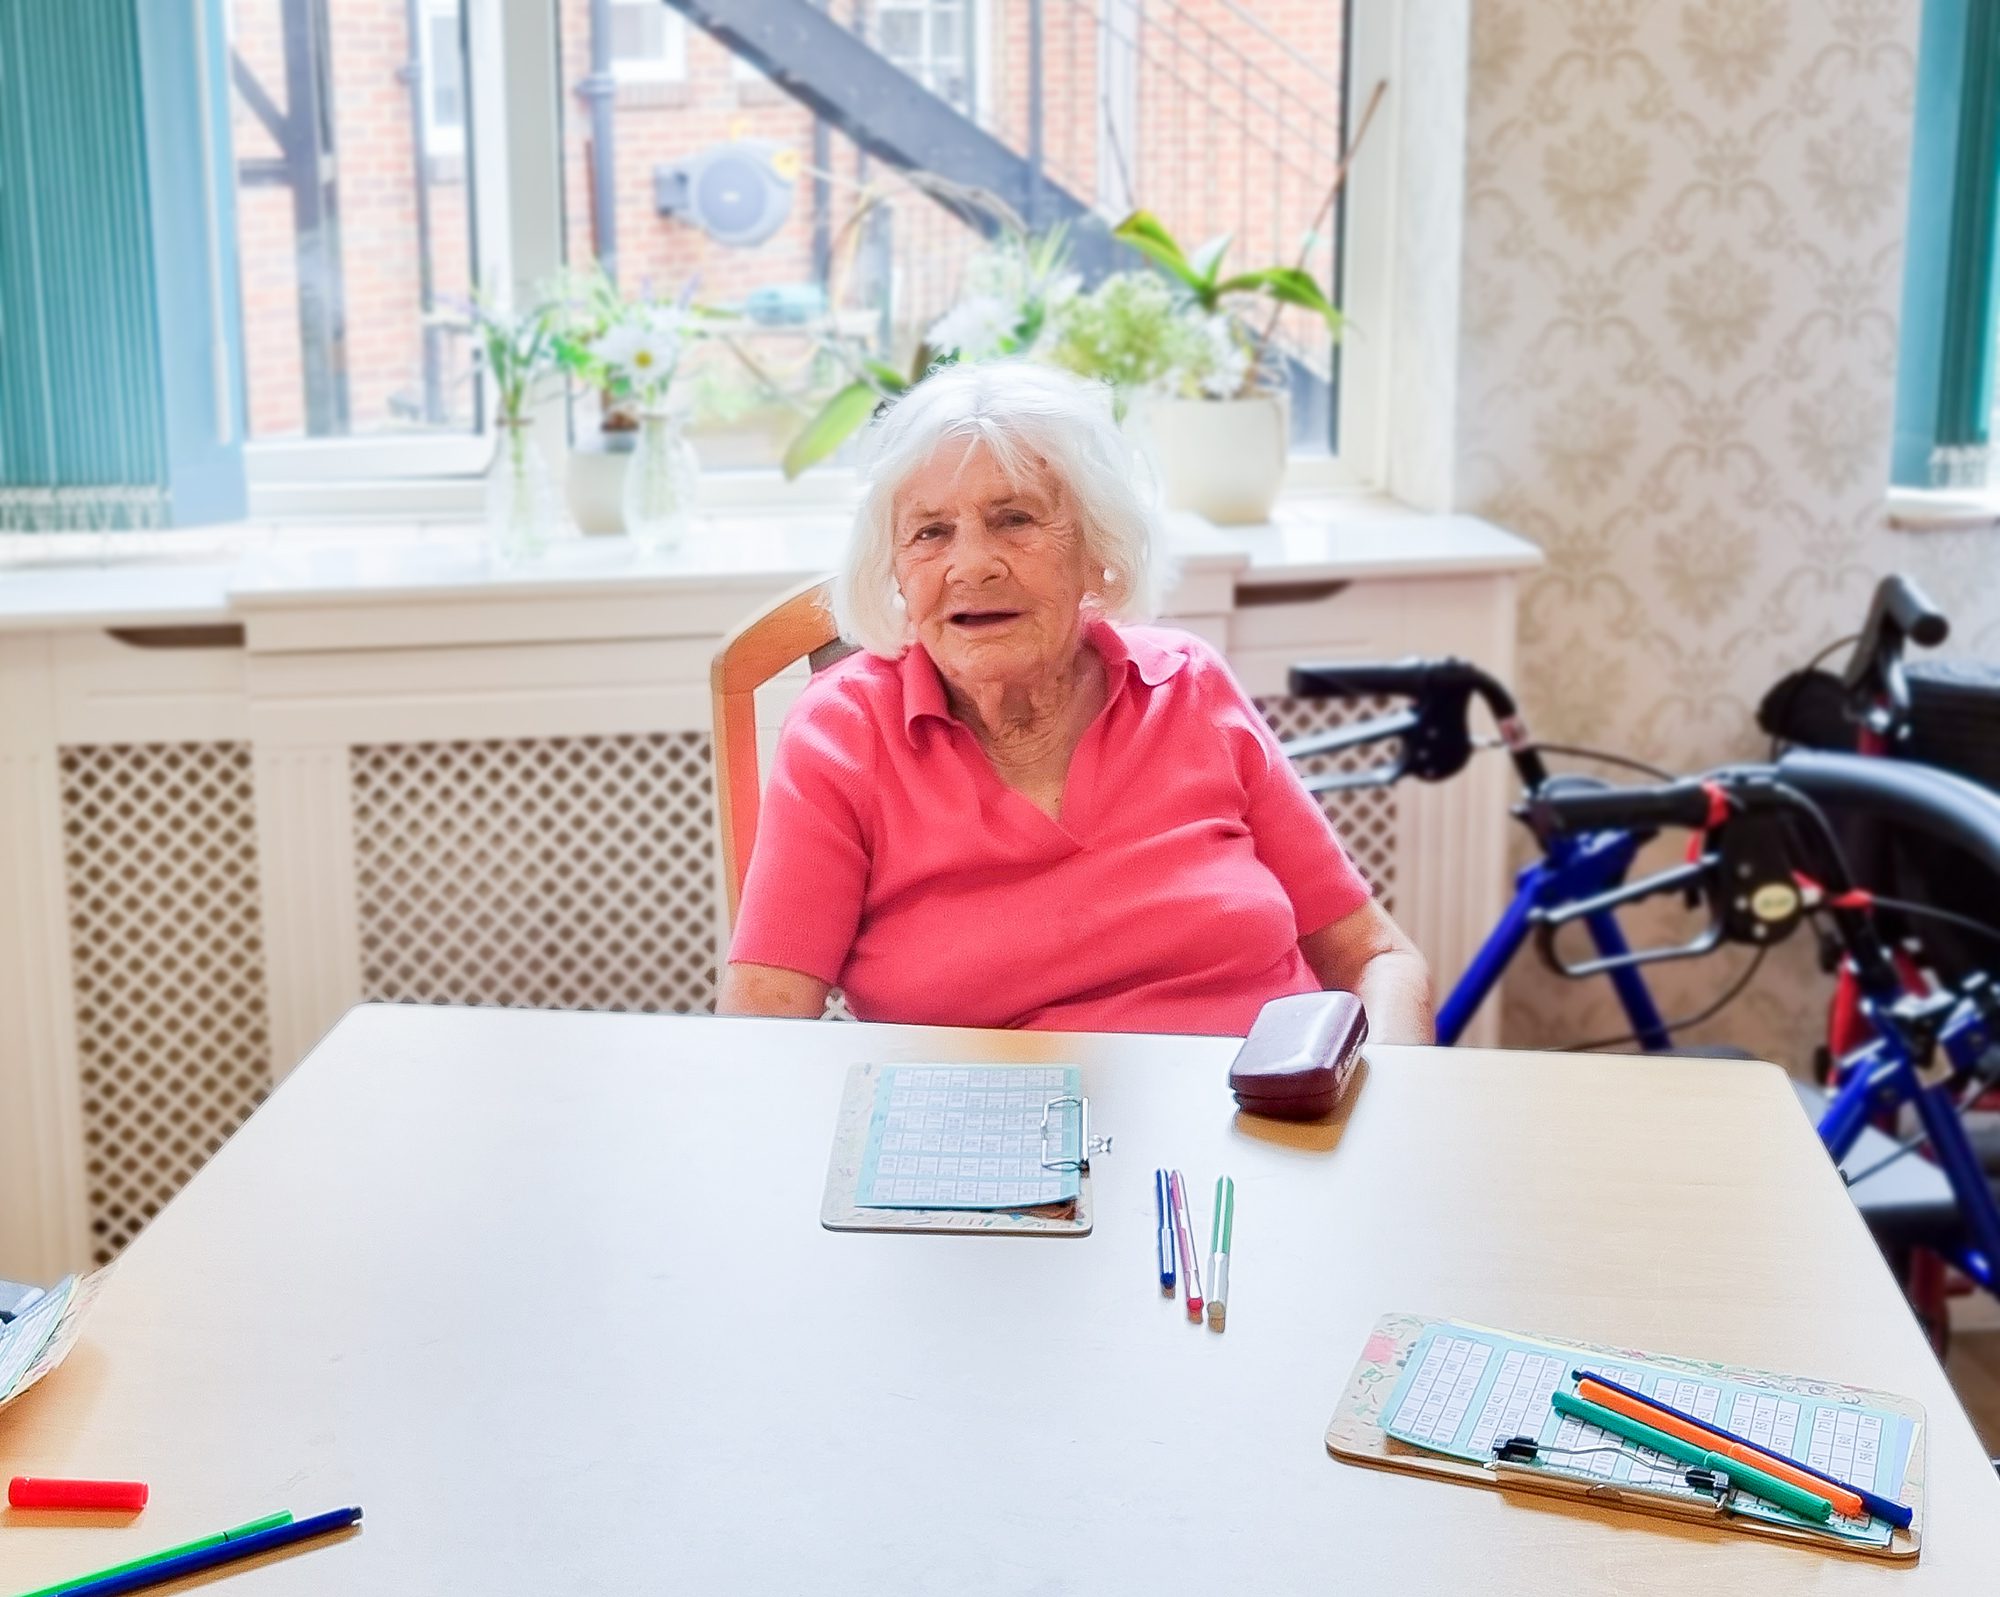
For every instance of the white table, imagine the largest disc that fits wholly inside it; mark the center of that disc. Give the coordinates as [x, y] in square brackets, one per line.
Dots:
[511, 1282]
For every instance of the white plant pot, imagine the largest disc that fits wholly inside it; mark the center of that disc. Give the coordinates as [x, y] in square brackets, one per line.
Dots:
[595, 487]
[1223, 458]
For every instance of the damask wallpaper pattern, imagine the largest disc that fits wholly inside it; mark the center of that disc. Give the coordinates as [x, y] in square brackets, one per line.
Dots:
[1681, 278]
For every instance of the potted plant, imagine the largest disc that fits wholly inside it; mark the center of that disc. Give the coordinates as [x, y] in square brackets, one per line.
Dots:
[1132, 332]
[1215, 414]
[628, 352]
[517, 353]
[1013, 291]
[638, 356]
[595, 476]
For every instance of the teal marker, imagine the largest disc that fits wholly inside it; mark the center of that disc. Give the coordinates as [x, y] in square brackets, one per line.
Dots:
[200, 1544]
[1218, 1251]
[1805, 1504]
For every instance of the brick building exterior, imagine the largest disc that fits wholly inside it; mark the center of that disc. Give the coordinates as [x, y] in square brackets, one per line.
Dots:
[1187, 108]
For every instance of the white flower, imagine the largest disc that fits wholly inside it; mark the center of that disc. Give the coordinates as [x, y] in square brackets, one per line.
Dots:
[1225, 364]
[642, 352]
[974, 328]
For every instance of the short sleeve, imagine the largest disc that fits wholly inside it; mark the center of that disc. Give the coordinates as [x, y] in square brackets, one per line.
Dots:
[808, 875]
[1290, 831]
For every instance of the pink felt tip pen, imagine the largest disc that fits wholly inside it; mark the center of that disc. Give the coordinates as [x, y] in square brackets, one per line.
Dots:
[1184, 1231]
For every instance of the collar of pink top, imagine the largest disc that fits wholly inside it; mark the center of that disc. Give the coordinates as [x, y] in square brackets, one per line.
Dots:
[1129, 657]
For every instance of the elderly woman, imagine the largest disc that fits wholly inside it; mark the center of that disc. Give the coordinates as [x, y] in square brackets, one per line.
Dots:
[1011, 809]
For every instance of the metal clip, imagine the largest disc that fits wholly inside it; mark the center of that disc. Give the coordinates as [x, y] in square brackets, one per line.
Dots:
[1085, 1142]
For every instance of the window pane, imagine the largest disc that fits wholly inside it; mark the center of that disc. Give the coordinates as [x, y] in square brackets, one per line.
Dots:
[354, 227]
[1232, 130]
[446, 74]
[902, 38]
[639, 32]
[946, 41]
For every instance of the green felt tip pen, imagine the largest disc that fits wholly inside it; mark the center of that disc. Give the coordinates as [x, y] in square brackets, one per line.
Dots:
[200, 1544]
[1805, 1504]
[1218, 1251]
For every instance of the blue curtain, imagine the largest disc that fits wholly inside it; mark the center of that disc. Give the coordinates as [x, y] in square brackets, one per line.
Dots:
[120, 375]
[1944, 377]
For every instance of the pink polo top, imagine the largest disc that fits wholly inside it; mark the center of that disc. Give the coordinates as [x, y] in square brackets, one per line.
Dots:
[894, 863]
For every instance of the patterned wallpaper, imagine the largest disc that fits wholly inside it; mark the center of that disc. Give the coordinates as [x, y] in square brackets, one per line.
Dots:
[1682, 272]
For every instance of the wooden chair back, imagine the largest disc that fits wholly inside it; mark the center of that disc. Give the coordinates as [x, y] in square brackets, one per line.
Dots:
[796, 626]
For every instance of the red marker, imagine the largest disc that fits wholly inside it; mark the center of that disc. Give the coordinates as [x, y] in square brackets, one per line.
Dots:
[1184, 1230]
[125, 1497]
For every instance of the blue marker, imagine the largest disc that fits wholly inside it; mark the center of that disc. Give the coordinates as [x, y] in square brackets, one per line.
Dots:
[227, 1552]
[1166, 1243]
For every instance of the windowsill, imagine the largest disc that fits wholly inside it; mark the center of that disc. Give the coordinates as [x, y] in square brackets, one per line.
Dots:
[660, 93]
[304, 498]
[1316, 540]
[1943, 509]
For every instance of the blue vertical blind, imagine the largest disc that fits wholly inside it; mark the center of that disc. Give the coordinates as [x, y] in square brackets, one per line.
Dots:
[1944, 380]
[120, 380]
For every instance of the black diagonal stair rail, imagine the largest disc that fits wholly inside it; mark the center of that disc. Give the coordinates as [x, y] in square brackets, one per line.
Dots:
[835, 74]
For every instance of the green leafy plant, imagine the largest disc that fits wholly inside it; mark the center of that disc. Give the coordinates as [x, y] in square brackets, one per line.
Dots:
[1201, 273]
[627, 349]
[1234, 357]
[1013, 292]
[516, 351]
[1130, 331]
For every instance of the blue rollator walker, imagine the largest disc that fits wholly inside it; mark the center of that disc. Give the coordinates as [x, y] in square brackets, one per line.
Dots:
[1576, 877]
[1765, 859]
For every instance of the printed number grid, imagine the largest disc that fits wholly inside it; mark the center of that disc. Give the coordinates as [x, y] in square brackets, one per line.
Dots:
[970, 1136]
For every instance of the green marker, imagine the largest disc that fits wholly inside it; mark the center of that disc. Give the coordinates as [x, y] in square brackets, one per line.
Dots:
[1754, 1481]
[268, 1522]
[1218, 1251]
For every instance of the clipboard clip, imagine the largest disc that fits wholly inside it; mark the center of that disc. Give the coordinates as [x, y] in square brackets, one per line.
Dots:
[1522, 1459]
[1087, 1145]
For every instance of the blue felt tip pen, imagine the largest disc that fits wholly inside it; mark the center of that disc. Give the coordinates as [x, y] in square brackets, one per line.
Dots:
[232, 1551]
[1163, 1198]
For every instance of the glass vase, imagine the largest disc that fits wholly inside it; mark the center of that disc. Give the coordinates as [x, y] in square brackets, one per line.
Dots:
[660, 484]
[520, 501]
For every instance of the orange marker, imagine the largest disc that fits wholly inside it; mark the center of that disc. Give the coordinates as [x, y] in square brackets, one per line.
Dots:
[1634, 1408]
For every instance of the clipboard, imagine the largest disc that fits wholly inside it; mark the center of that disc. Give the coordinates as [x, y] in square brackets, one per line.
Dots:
[1355, 1434]
[840, 1212]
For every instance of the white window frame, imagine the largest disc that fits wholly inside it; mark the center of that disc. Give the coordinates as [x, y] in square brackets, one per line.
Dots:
[391, 473]
[516, 169]
[1374, 47]
[672, 64]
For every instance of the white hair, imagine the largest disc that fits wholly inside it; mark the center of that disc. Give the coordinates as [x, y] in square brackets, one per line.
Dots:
[1038, 424]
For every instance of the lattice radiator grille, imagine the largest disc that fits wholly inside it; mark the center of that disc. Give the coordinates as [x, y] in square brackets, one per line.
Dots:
[160, 850]
[565, 873]
[1364, 819]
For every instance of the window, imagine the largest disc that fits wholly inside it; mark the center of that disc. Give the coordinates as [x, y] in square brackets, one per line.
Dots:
[932, 41]
[353, 140]
[648, 41]
[387, 162]
[443, 69]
